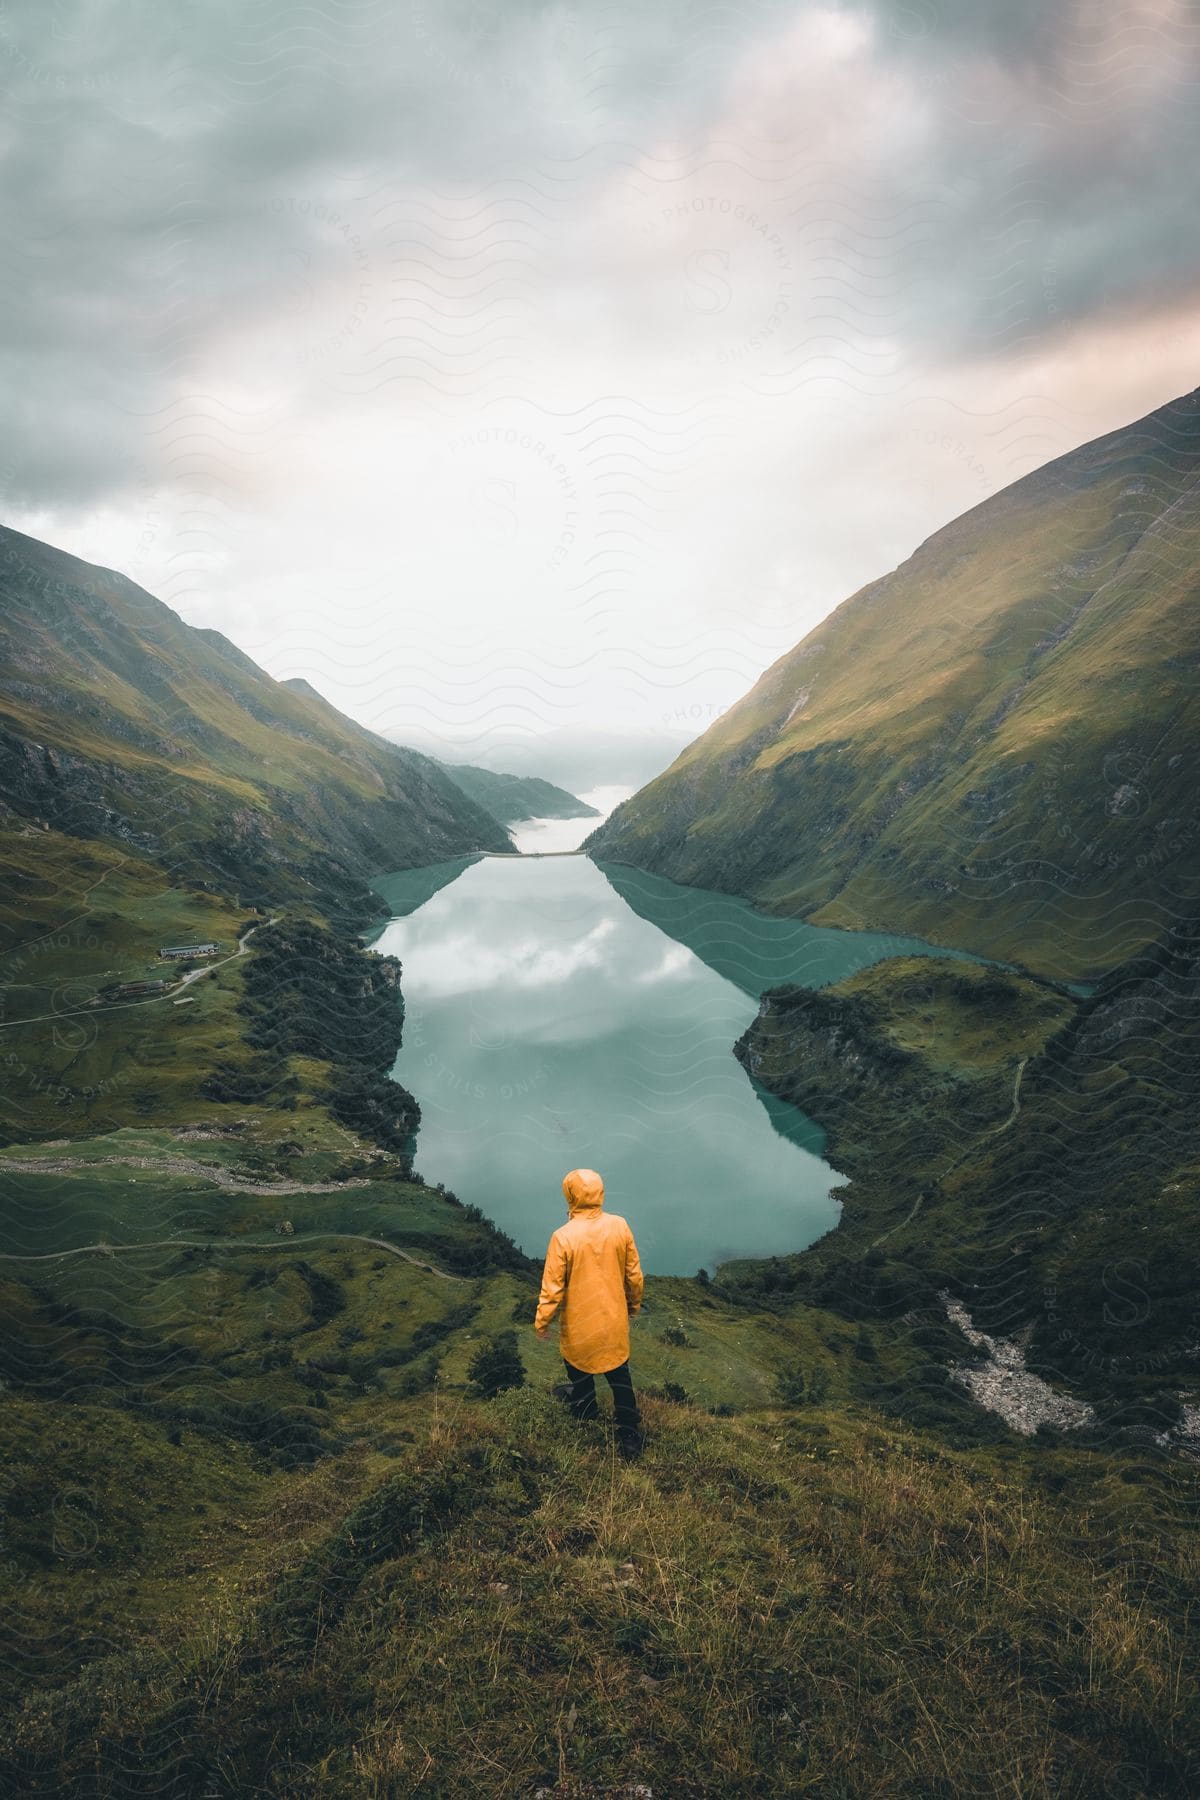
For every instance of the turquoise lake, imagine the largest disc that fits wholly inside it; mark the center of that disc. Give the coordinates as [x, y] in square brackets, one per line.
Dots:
[561, 1013]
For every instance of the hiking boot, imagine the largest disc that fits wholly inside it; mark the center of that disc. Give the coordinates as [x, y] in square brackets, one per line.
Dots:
[562, 1391]
[630, 1445]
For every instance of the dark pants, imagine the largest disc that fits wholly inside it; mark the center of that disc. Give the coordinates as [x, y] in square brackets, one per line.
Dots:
[583, 1396]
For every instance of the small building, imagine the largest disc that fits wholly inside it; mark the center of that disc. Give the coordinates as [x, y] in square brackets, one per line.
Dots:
[181, 952]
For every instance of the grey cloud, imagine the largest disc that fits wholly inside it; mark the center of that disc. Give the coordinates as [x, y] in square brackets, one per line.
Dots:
[173, 169]
[1057, 180]
[994, 25]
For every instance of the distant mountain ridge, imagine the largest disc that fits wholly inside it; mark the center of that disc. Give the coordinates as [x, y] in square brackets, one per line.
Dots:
[511, 798]
[994, 746]
[119, 721]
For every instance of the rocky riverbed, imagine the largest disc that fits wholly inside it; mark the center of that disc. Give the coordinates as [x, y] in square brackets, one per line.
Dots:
[1004, 1385]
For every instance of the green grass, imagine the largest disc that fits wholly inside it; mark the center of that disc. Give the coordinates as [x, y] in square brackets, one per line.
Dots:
[122, 1205]
[88, 917]
[83, 912]
[907, 1065]
[477, 1597]
[76, 1068]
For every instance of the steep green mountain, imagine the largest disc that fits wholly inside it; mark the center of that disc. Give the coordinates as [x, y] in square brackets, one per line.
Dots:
[121, 724]
[994, 746]
[511, 798]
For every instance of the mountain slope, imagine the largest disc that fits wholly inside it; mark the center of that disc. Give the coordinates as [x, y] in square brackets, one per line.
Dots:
[510, 798]
[120, 722]
[994, 746]
[1031, 1150]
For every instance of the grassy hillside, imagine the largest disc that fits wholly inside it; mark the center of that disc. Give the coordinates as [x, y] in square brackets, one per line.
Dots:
[510, 798]
[264, 1534]
[1033, 1152]
[120, 723]
[290, 1019]
[994, 746]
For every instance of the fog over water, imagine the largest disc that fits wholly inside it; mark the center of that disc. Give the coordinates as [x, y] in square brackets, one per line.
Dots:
[533, 835]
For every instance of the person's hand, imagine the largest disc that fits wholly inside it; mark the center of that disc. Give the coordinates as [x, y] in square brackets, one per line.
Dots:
[543, 1334]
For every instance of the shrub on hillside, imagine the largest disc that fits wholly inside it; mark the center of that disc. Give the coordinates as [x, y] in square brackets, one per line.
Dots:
[795, 1388]
[375, 1108]
[264, 1079]
[497, 1365]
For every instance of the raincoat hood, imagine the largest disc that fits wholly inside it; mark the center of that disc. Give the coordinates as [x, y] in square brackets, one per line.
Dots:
[584, 1190]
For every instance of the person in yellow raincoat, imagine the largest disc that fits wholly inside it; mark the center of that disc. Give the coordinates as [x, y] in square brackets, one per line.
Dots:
[593, 1281]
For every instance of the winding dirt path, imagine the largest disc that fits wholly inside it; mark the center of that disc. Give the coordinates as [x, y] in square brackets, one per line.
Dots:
[992, 1131]
[1016, 1104]
[283, 1242]
[174, 1165]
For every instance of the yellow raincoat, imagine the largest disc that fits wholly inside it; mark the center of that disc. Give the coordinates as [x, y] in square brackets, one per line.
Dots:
[592, 1277]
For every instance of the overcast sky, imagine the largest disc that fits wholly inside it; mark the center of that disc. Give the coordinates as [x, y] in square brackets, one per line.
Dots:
[549, 366]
